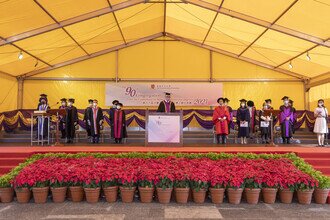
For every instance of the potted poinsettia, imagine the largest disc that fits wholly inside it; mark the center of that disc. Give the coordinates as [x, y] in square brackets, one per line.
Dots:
[305, 186]
[164, 186]
[58, 187]
[6, 189]
[110, 188]
[287, 188]
[252, 188]
[322, 190]
[92, 188]
[269, 191]
[218, 181]
[235, 188]
[199, 183]
[182, 183]
[127, 181]
[76, 190]
[40, 191]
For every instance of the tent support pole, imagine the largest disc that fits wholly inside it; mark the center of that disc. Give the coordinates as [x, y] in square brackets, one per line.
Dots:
[20, 81]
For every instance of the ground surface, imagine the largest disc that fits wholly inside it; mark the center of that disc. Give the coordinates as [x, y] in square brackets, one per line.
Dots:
[137, 210]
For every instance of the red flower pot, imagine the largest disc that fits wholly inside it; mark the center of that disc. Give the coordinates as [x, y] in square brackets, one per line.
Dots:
[111, 193]
[181, 195]
[269, 195]
[234, 195]
[146, 194]
[217, 195]
[59, 194]
[127, 194]
[252, 195]
[23, 195]
[92, 194]
[40, 194]
[6, 194]
[321, 195]
[164, 195]
[286, 196]
[77, 193]
[199, 196]
[305, 196]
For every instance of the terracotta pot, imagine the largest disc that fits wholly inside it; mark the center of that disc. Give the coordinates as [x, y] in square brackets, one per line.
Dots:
[92, 194]
[217, 195]
[59, 194]
[199, 196]
[127, 194]
[321, 195]
[181, 195]
[6, 194]
[146, 194]
[164, 195]
[269, 195]
[40, 194]
[235, 195]
[305, 196]
[252, 195]
[77, 193]
[111, 193]
[286, 196]
[23, 195]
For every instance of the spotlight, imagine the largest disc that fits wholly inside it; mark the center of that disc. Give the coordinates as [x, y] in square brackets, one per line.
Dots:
[20, 55]
[290, 65]
[308, 57]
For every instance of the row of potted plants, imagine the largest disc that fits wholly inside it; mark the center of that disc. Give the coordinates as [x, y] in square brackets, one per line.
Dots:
[199, 174]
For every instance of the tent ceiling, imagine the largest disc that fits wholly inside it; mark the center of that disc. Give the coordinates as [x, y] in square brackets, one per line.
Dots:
[270, 33]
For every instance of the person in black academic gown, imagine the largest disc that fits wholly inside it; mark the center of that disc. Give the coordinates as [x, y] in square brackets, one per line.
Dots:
[62, 119]
[243, 121]
[166, 105]
[43, 123]
[95, 121]
[71, 120]
[86, 115]
[119, 124]
[111, 115]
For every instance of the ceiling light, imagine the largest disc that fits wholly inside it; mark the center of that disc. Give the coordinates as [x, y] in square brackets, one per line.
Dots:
[290, 65]
[20, 55]
[308, 57]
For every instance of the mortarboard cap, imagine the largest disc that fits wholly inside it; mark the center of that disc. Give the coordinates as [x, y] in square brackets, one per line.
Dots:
[167, 93]
[90, 100]
[268, 100]
[71, 100]
[242, 100]
[115, 102]
[63, 99]
[285, 97]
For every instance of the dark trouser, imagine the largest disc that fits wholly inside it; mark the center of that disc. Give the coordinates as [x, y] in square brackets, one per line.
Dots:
[286, 140]
[89, 132]
[223, 137]
[118, 140]
[96, 138]
[265, 137]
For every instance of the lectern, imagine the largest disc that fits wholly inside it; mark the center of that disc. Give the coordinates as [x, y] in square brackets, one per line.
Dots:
[164, 129]
[272, 113]
[41, 117]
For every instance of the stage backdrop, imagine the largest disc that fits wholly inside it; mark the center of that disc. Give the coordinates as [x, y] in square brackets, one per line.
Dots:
[150, 94]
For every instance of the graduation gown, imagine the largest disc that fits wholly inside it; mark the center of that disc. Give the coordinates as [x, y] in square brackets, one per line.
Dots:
[252, 124]
[119, 124]
[43, 123]
[166, 106]
[221, 127]
[71, 119]
[286, 125]
[94, 118]
[243, 114]
[87, 114]
[264, 130]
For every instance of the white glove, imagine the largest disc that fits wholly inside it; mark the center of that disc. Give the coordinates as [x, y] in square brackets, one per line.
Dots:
[89, 122]
[101, 122]
[224, 118]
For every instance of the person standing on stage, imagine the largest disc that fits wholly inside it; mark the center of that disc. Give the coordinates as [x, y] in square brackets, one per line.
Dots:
[166, 105]
[252, 111]
[62, 119]
[221, 120]
[119, 124]
[42, 97]
[111, 116]
[264, 124]
[43, 122]
[286, 120]
[269, 104]
[95, 121]
[243, 120]
[71, 120]
[87, 113]
[321, 125]
[230, 110]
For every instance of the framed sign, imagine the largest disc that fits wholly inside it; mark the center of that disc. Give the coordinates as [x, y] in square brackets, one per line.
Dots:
[164, 129]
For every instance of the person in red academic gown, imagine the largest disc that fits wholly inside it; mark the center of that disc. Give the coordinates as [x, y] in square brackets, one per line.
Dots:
[71, 120]
[221, 120]
[87, 113]
[95, 121]
[119, 124]
[166, 105]
[252, 110]
[62, 121]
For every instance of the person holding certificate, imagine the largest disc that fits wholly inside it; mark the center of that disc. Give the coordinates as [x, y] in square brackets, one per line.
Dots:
[321, 126]
[264, 124]
[243, 121]
[221, 120]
